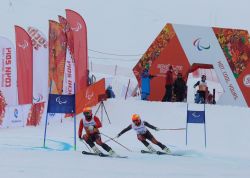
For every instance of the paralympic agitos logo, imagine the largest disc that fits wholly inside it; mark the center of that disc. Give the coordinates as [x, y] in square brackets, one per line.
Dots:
[200, 45]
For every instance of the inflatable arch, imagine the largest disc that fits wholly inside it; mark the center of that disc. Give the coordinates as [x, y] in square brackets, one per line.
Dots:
[227, 50]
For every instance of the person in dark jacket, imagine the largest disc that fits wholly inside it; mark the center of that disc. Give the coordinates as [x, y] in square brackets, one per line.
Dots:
[143, 133]
[169, 85]
[109, 92]
[180, 88]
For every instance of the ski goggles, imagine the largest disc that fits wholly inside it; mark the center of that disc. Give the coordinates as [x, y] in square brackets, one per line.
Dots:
[136, 121]
[87, 113]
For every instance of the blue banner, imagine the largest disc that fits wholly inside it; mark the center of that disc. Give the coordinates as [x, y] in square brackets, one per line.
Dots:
[61, 103]
[195, 116]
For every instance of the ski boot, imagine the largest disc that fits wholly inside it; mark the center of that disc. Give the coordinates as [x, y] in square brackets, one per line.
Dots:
[112, 153]
[151, 149]
[166, 150]
[96, 150]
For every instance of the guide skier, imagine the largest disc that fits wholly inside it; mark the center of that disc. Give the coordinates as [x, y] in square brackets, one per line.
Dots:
[91, 124]
[143, 133]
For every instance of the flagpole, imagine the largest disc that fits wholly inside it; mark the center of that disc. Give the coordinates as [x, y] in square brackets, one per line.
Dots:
[187, 124]
[75, 121]
[46, 121]
[205, 127]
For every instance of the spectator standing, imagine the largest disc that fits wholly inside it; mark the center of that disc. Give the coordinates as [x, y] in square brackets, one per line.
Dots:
[180, 88]
[169, 85]
[145, 83]
[109, 92]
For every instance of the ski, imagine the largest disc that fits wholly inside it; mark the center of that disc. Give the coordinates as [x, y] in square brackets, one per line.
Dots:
[160, 153]
[118, 156]
[103, 155]
[150, 152]
[95, 154]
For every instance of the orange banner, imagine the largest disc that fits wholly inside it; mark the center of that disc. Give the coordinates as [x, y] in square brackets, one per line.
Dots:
[24, 60]
[57, 56]
[69, 34]
[94, 94]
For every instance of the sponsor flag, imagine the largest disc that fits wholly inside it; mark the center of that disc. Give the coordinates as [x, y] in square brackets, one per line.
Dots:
[79, 29]
[61, 103]
[8, 79]
[57, 56]
[69, 71]
[69, 34]
[40, 64]
[24, 56]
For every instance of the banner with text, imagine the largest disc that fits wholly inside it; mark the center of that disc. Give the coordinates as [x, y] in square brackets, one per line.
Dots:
[79, 29]
[8, 71]
[40, 64]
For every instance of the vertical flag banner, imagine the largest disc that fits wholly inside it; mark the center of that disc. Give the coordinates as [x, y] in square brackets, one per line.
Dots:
[79, 29]
[40, 65]
[8, 79]
[69, 71]
[24, 57]
[57, 56]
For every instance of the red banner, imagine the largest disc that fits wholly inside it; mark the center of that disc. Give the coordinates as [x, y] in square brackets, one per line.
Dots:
[35, 114]
[57, 56]
[79, 29]
[24, 60]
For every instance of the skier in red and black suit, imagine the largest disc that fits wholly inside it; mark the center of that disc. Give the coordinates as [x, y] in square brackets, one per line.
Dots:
[91, 125]
[142, 133]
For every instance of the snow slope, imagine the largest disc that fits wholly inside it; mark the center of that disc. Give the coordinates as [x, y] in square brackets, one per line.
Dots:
[226, 155]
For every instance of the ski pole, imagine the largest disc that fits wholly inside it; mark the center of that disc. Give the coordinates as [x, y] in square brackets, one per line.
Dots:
[86, 145]
[174, 129]
[117, 142]
[110, 139]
